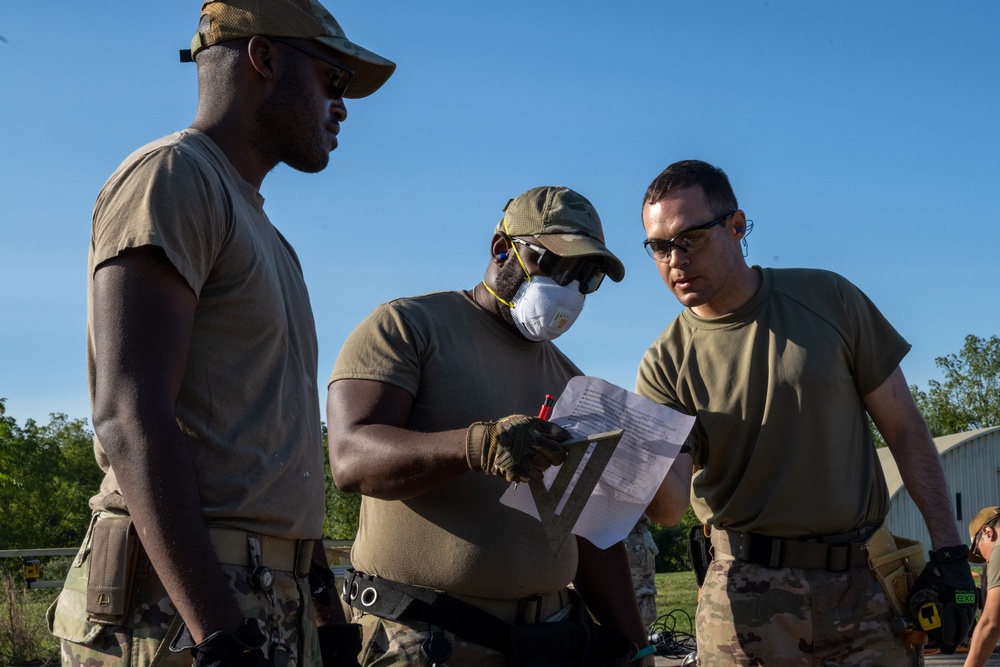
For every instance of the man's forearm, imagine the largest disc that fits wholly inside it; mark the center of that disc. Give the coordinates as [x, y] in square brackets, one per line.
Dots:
[603, 580]
[672, 498]
[923, 476]
[160, 487]
[984, 640]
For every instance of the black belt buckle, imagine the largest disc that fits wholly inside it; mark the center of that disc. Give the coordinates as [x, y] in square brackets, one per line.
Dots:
[762, 550]
[522, 603]
[832, 550]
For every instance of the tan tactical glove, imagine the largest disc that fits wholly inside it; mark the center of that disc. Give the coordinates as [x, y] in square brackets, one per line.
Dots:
[518, 448]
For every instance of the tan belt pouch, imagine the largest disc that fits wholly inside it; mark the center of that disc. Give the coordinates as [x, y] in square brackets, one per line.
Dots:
[896, 562]
[114, 550]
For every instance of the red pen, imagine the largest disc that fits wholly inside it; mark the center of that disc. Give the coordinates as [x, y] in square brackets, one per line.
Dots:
[547, 404]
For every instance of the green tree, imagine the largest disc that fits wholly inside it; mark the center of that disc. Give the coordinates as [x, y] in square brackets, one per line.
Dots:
[6, 446]
[969, 396]
[672, 542]
[343, 510]
[49, 475]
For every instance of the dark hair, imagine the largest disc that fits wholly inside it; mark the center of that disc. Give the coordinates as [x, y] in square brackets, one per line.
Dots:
[713, 181]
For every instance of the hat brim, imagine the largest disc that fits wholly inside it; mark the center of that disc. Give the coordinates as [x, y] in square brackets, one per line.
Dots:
[578, 245]
[370, 69]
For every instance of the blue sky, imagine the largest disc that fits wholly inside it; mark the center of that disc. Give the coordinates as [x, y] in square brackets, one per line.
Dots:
[860, 137]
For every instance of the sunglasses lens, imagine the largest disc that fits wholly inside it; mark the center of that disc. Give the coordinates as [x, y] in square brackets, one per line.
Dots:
[588, 274]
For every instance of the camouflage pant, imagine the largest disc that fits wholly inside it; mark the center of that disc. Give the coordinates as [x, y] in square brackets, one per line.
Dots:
[398, 644]
[642, 553]
[152, 624]
[754, 615]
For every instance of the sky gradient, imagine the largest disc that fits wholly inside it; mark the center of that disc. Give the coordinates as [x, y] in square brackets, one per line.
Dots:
[859, 137]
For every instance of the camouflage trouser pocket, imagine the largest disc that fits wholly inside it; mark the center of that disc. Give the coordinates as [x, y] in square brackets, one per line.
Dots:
[67, 616]
[140, 638]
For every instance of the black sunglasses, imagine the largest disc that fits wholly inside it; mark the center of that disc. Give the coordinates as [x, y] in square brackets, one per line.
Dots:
[338, 81]
[691, 238]
[564, 270]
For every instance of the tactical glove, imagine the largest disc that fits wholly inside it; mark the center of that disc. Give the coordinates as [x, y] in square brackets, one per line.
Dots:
[518, 448]
[944, 598]
[323, 584]
[340, 644]
[243, 648]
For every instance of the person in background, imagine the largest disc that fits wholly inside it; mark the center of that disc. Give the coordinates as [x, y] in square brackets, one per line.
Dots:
[983, 533]
[642, 552]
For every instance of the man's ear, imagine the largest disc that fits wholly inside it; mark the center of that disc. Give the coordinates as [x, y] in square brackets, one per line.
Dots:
[261, 52]
[500, 248]
[739, 222]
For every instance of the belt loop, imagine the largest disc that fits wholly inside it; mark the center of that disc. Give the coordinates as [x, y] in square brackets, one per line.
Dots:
[777, 551]
[303, 557]
[522, 603]
[845, 555]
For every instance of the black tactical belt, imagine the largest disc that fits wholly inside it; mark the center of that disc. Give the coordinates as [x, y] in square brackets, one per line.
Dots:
[394, 600]
[784, 552]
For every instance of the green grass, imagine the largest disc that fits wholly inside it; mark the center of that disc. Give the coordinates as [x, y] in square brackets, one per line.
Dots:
[677, 591]
[27, 638]
[674, 591]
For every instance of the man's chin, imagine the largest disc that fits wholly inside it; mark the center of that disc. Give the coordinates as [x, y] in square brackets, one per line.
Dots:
[312, 166]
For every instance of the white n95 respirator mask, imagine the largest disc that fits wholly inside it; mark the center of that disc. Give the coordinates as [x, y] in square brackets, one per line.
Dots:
[544, 310]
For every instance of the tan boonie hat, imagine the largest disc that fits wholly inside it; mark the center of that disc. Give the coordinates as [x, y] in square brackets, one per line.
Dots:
[223, 20]
[564, 222]
[983, 517]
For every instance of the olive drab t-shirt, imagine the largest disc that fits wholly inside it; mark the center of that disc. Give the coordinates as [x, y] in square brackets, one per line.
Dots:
[461, 366]
[249, 399]
[781, 442]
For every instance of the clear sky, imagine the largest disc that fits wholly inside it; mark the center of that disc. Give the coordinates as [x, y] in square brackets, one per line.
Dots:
[861, 137]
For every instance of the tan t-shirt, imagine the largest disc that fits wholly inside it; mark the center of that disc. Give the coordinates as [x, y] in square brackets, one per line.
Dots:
[248, 400]
[781, 443]
[461, 366]
[993, 568]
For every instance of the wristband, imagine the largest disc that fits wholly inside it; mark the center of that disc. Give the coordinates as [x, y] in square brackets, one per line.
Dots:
[643, 652]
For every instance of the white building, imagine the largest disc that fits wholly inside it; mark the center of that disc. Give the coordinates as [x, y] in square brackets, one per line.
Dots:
[971, 463]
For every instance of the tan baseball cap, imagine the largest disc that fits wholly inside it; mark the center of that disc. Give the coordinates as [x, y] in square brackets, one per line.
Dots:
[983, 517]
[223, 20]
[564, 222]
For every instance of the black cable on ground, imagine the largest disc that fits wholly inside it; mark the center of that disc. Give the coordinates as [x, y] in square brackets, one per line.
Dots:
[673, 634]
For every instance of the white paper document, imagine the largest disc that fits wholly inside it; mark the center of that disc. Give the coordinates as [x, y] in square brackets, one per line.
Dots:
[653, 437]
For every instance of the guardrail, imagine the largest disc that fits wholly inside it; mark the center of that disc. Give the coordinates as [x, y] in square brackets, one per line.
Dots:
[32, 566]
[338, 553]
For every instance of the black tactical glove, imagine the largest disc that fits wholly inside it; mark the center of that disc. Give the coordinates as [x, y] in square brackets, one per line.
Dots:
[323, 584]
[518, 448]
[944, 598]
[243, 648]
[340, 644]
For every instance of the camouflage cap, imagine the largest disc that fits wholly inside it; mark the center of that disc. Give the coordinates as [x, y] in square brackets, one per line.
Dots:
[564, 222]
[983, 517]
[223, 20]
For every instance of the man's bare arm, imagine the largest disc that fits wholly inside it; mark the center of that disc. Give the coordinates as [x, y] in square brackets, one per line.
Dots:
[604, 581]
[672, 498]
[373, 453]
[143, 314]
[897, 418]
[987, 632]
